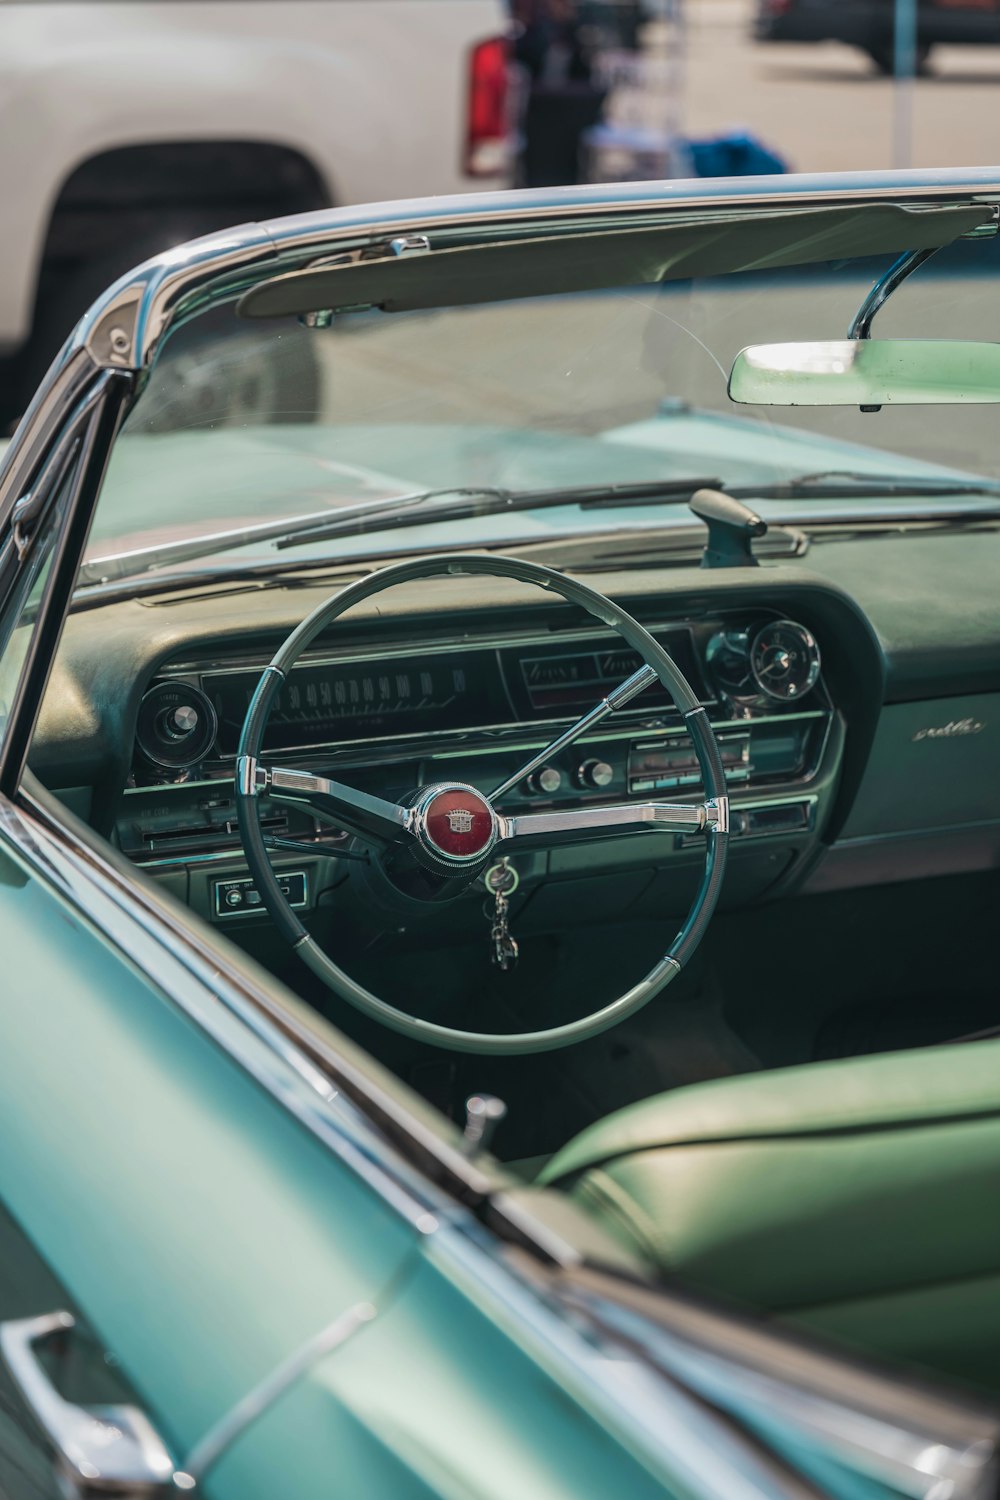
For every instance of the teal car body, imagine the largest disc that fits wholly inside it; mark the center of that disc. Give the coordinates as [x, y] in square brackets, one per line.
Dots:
[297, 1270]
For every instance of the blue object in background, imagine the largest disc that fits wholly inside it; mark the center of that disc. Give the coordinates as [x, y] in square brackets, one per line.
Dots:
[736, 155]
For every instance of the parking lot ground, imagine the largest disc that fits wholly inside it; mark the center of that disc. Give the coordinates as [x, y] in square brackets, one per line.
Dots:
[822, 107]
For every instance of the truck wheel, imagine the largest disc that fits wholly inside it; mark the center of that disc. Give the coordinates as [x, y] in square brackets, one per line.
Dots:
[219, 372]
[883, 56]
[201, 381]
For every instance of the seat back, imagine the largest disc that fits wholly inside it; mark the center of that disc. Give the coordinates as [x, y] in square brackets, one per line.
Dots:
[860, 1197]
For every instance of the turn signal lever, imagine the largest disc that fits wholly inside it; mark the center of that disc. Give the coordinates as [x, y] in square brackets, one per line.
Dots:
[732, 527]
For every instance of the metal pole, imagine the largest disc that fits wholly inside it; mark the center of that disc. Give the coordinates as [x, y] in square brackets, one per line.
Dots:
[904, 69]
[675, 78]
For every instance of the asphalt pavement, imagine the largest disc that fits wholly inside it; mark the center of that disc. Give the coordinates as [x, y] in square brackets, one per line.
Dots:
[822, 107]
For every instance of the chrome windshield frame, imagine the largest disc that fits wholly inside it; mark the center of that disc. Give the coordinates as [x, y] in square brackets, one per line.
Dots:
[125, 327]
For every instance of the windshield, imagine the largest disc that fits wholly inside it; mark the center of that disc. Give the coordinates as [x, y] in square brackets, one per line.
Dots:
[245, 424]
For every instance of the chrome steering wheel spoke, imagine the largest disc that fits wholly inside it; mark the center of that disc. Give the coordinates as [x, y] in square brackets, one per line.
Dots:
[615, 700]
[549, 830]
[372, 819]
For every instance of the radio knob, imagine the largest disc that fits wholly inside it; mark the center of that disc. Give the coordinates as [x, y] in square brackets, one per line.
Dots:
[547, 780]
[595, 773]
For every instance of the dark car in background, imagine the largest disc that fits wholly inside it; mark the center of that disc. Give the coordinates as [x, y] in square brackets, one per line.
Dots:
[869, 24]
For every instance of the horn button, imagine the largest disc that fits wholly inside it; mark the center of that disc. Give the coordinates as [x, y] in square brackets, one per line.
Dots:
[455, 825]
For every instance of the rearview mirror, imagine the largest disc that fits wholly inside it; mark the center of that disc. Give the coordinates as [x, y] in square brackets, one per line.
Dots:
[867, 373]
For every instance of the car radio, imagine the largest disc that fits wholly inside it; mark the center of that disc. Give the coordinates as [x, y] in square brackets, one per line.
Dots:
[665, 765]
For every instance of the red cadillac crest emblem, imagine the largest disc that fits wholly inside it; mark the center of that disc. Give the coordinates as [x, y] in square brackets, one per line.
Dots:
[456, 822]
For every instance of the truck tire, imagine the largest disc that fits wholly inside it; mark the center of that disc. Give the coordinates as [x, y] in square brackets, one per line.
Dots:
[882, 54]
[186, 393]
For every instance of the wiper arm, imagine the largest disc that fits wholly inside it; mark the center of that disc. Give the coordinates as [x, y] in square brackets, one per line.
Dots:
[289, 532]
[463, 503]
[841, 484]
[417, 509]
[492, 502]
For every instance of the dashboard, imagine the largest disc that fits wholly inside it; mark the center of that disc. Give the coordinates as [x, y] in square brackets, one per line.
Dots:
[393, 718]
[855, 691]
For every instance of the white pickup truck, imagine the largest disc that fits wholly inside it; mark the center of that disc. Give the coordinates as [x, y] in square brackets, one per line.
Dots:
[130, 125]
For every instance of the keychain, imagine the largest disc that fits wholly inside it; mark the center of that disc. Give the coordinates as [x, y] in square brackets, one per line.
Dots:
[502, 880]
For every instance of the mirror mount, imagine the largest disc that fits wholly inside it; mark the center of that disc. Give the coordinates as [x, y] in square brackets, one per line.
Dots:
[861, 323]
[904, 266]
[732, 527]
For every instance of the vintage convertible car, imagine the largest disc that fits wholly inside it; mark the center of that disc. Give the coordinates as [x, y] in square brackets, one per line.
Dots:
[497, 872]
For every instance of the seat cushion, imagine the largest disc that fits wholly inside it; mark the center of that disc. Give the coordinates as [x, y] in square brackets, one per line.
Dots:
[806, 1187]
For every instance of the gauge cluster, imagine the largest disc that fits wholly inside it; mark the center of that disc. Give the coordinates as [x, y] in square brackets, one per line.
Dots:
[769, 662]
[762, 667]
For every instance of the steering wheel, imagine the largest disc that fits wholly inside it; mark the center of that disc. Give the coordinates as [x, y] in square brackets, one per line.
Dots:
[444, 836]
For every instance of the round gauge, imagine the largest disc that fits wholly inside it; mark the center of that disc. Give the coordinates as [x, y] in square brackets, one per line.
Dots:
[177, 725]
[784, 660]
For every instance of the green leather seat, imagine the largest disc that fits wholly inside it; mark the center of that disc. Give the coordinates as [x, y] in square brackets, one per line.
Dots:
[861, 1197]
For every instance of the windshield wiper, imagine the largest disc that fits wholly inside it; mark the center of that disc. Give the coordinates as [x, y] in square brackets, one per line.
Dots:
[382, 515]
[490, 502]
[842, 484]
[426, 507]
[144, 559]
[493, 502]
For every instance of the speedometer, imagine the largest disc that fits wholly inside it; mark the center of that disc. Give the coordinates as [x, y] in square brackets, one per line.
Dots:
[784, 660]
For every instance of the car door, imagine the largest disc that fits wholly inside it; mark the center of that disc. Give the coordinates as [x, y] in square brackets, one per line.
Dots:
[187, 1194]
[205, 1231]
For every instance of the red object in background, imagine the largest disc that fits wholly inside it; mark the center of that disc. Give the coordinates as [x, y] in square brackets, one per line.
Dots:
[487, 149]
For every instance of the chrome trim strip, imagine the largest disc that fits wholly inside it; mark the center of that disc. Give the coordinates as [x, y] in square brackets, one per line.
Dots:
[917, 1439]
[321, 658]
[780, 799]
[464, 742]
[908, 1462]
[210, 1448]
[229, 854]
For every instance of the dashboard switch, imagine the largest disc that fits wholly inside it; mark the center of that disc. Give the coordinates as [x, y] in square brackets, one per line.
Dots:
[241, 898]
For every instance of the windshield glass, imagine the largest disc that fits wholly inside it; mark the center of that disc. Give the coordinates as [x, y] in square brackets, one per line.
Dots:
[244, 424]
